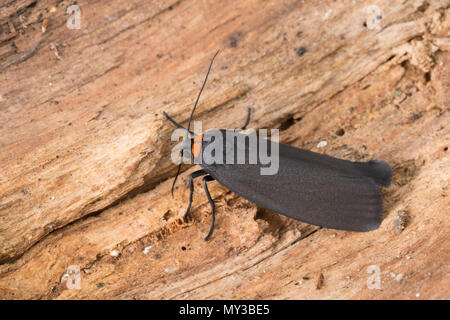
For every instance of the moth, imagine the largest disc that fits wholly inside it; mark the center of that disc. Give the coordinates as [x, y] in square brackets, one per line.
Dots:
[308, 186]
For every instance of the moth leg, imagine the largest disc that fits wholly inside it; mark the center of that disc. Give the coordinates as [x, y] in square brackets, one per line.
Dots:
[247, 121]
[176, 124]
[192, 176]
[211, 202]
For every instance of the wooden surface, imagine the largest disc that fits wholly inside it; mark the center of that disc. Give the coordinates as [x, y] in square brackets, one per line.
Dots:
[85, 151]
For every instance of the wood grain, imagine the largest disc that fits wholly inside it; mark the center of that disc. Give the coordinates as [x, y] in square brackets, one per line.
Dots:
[85, 149]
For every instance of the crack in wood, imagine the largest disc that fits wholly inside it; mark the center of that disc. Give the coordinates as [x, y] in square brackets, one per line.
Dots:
[273, 254]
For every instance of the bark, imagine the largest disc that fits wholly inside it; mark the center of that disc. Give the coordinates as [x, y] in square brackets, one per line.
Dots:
[85, 150]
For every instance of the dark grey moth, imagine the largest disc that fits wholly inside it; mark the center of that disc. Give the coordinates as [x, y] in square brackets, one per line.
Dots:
[308, 186]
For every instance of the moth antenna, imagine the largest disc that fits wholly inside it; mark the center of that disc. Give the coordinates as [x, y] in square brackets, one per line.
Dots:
[192, 114]
[249, 114]
[175, 180]
[199, 94]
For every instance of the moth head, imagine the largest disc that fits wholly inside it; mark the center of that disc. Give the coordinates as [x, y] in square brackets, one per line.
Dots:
[191, 147]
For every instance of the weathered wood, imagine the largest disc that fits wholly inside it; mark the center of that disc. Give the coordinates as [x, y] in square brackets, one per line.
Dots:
[85, 150]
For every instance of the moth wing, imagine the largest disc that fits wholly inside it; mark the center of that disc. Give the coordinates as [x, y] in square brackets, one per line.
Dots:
[309, 187]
